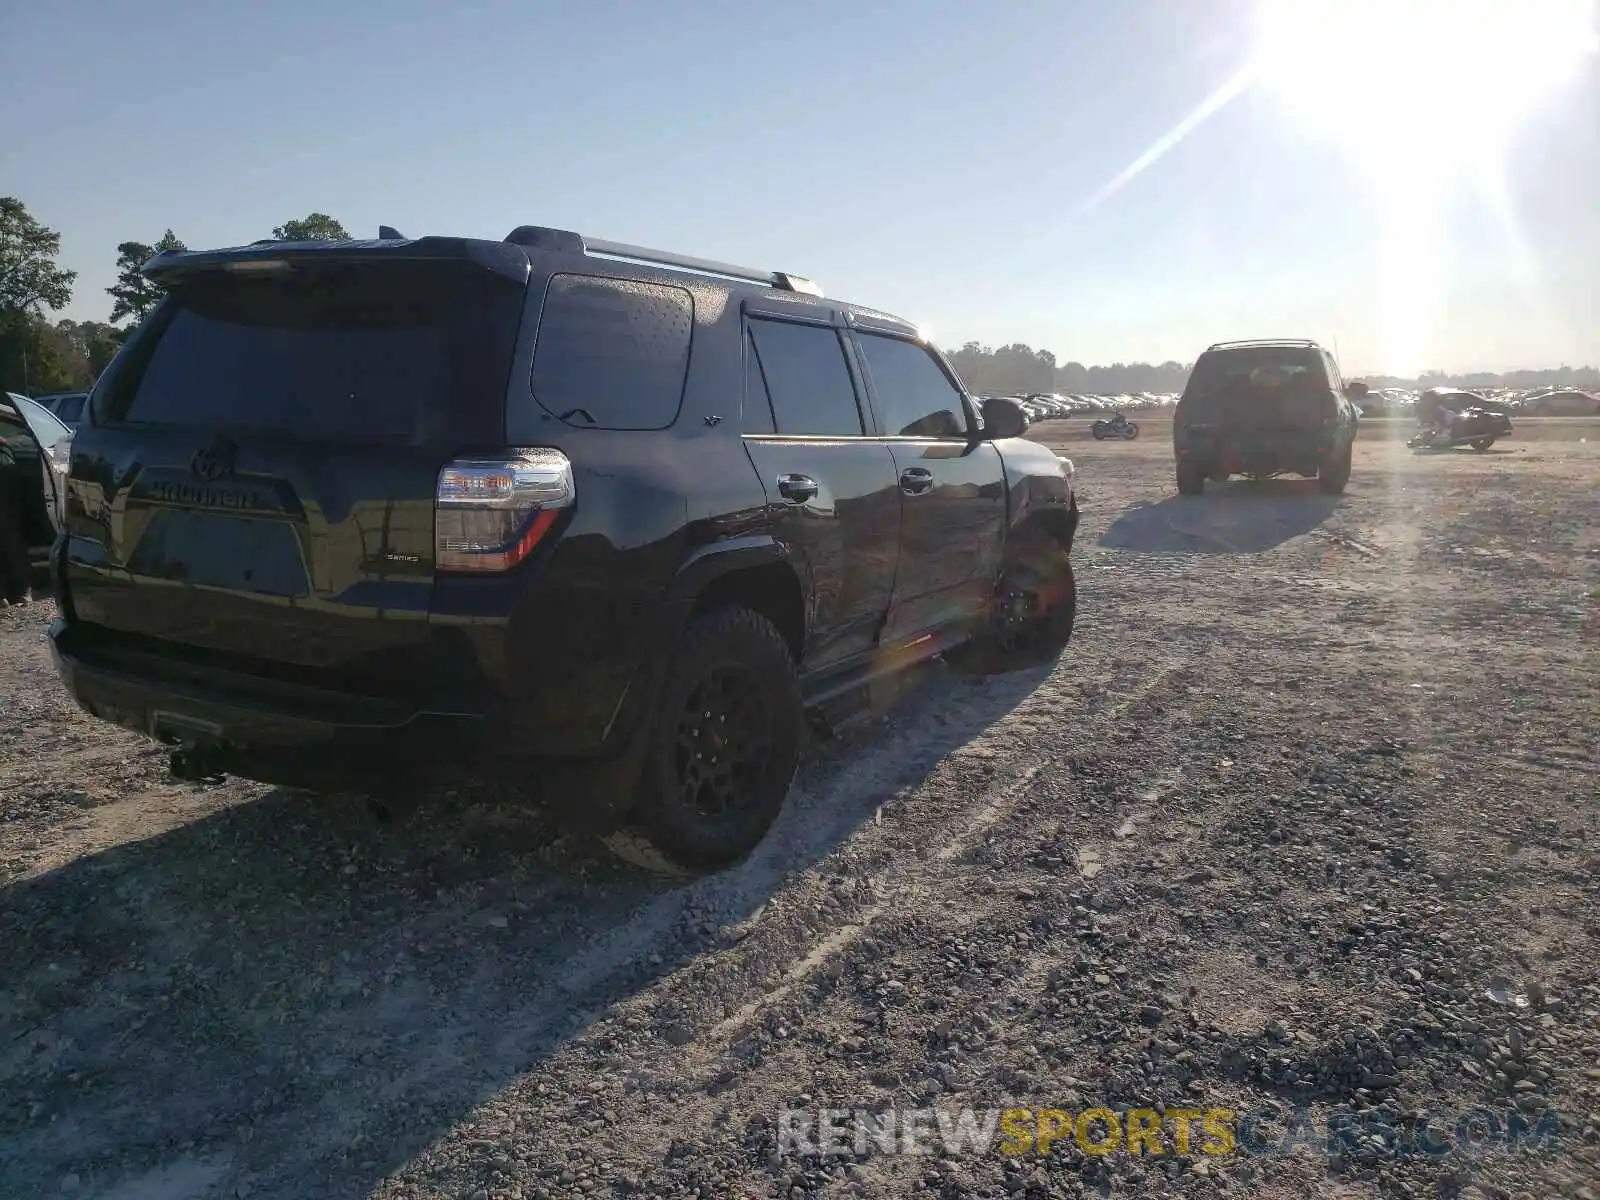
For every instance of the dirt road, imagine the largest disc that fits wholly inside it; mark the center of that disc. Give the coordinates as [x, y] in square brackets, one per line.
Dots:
[1306, 817]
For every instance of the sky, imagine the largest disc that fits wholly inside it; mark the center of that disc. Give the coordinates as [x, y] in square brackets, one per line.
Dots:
[952, 163]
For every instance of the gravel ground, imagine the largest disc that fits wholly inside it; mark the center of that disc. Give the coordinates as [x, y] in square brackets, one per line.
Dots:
[1304, 818]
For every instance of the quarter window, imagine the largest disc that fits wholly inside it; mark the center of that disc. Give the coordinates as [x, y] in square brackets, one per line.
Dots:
[613, 353]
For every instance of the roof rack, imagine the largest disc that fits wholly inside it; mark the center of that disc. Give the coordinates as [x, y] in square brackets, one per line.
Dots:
[1263, 342]
[561, 239]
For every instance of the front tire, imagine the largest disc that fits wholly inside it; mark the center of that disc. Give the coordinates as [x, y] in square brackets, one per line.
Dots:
[1099, 434]
[1032, 613]
[1133, 431]
[724, 746]
[1481, 444]
[1191, 479]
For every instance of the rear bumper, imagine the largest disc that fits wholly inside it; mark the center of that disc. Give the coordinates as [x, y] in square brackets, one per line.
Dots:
[275, 732]
[297, 736]
[1252, 453]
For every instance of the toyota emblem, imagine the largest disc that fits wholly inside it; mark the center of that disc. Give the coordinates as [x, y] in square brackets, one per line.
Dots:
[214, 462]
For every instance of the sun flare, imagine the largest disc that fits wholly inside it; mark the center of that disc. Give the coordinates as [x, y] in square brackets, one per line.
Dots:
[1416, 83]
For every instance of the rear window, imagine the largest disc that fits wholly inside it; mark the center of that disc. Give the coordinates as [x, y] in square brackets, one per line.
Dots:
[405, 354]
[612, 353]
[1223, 367]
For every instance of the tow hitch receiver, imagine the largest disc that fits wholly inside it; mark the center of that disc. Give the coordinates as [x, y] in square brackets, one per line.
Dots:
[199, 763]
[199, 752]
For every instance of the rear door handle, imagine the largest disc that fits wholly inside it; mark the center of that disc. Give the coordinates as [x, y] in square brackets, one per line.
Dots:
[797, 489]
[914, 481]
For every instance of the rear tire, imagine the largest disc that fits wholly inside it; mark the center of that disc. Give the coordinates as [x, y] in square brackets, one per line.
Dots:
[724, 746]
[1133, 431]
[1333, 477]
[1481, 444]
[1033, 611]
[1191, 479]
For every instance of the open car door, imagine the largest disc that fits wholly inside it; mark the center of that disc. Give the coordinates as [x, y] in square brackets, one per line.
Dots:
[54, 440]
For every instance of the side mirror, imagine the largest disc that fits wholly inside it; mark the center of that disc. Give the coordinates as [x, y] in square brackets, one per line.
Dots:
[1356, 390]
[1003, 418]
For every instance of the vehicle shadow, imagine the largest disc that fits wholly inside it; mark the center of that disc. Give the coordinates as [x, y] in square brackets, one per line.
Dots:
[287, 997]
[1241, 517]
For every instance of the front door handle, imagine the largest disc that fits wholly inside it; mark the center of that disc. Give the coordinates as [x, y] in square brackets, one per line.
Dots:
[797, 489]
[914, 481]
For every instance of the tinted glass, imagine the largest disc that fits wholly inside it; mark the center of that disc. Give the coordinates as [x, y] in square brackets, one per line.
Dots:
[1332, 371]
[914, 397]
[1222, 367]
[612, 353]
[14, 432]
[757, 404]
[70, 408]
[43, 425]
[397, 354]
[807, 378]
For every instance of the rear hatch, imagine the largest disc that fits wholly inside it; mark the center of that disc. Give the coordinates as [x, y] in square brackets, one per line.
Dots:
[1260, 389]
[255, 488]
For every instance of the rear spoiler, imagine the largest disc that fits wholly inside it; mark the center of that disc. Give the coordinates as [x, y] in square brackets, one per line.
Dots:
[502, 258]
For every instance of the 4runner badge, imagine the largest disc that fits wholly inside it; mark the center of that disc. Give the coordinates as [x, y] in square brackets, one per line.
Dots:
[214, 462]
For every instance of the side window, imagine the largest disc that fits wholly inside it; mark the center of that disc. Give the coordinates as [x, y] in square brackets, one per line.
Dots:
[807, 379]
[915, 398]
[612, 353]
[757, 403]
[1335, 381]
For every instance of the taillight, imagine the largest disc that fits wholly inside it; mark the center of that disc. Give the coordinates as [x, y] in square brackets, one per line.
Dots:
[489, 513]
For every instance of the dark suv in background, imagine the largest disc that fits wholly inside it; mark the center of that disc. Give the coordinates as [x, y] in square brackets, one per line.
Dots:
[575, 513]
[1260, 409]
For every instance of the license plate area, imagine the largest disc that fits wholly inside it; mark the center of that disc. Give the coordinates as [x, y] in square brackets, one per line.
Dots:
[210, 550]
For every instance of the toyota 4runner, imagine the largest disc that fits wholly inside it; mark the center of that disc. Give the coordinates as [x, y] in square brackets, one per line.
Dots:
[348, 515]
[1262, 408]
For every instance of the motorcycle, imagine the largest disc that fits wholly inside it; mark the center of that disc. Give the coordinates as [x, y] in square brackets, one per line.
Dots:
[1478, 428]
[1116, 427]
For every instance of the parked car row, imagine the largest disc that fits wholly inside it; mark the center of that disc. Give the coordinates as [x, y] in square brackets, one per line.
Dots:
[1380, 402]
[1047, 406]
[1538, 402]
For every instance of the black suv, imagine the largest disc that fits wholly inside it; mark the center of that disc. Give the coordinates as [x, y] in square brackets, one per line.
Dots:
[603, 519]
[1263, 408]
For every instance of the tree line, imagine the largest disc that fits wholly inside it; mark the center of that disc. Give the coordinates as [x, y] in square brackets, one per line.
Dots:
[1018, 369]
[38, 355]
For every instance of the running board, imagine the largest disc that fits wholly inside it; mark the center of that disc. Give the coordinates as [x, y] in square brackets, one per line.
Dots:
[840, 700]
